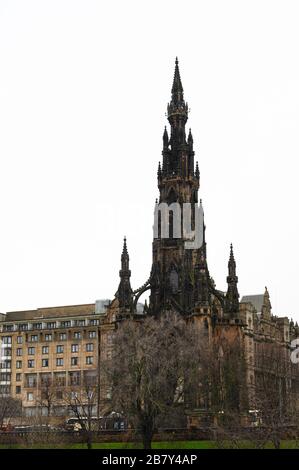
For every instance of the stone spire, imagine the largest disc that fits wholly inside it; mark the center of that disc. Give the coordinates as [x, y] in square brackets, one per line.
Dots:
[124, 292]
[177, 113]
[266, 307]
[202, 280]
[232, 294]
[177, 90]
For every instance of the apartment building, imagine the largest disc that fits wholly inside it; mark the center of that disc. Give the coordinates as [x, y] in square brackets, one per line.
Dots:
[56, 345]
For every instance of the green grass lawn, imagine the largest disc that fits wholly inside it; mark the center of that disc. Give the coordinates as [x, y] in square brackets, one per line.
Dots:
[156, 445]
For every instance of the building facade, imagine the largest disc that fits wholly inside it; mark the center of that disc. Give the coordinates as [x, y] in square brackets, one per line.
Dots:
[64, 345]
[57, 346]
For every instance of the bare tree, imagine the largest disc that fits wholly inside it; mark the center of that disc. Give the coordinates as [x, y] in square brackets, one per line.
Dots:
[226, 368]
[274, 397]
[82, 400]
[154, 363]
[9, 408]
[48, 394]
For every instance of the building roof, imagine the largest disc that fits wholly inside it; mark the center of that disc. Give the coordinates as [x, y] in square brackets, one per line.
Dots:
[256, 300]
[51, 312]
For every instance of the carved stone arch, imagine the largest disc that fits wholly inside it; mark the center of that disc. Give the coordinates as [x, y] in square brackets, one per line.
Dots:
[172, 195]
[174, 264]
[218, 295]
[217, 307]
[139, 294]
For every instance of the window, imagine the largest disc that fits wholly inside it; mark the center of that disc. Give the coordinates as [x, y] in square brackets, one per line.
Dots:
[5, 377]
[6, 339]
[74, 378]
[19, 365]
[6, 364]
[77, 335]
[59, 349]
[90, 378]
[48, 337]
[31, 380]
[31, 363]
[79, 322]
[23, 326]
[33, 338]
[19, 339]
[92, 334]
[7, 352]
[89, 347]
[51, 325]
[37, 326]
[59, 395]
[45, 379]
[45, 350]
[19, 351]
[75, 348]
[59, 361]
[4, 389]
[174, 280]
[66, 324]
[31, 351]
[18, 389]
[93, 322]
[74, 361]
[18, 377]
[29, 396]
[60, 379]
[62, 336]
[7, 327]
[89, 360]
[45, 362]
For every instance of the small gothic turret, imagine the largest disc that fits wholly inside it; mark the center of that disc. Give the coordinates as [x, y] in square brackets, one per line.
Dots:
[232, 294]
[124, 292]
[190, 139]
[159, 172]
[202, 280]
[266, 307]
[165, 139]
[197, 174]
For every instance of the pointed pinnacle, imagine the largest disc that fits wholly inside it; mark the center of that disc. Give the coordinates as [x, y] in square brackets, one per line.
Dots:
[159, 172]
[165, 135]
[231, 255]
[231, 261]
[197, 171]
[177, 86]
[125, 245]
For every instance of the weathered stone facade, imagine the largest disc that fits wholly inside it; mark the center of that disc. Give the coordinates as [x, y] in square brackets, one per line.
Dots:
[180, 280]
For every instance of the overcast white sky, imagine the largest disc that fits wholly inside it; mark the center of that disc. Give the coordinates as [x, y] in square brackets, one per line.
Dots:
[83, 92]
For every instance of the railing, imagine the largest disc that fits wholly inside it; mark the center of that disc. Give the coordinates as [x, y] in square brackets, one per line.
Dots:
[45, 434]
